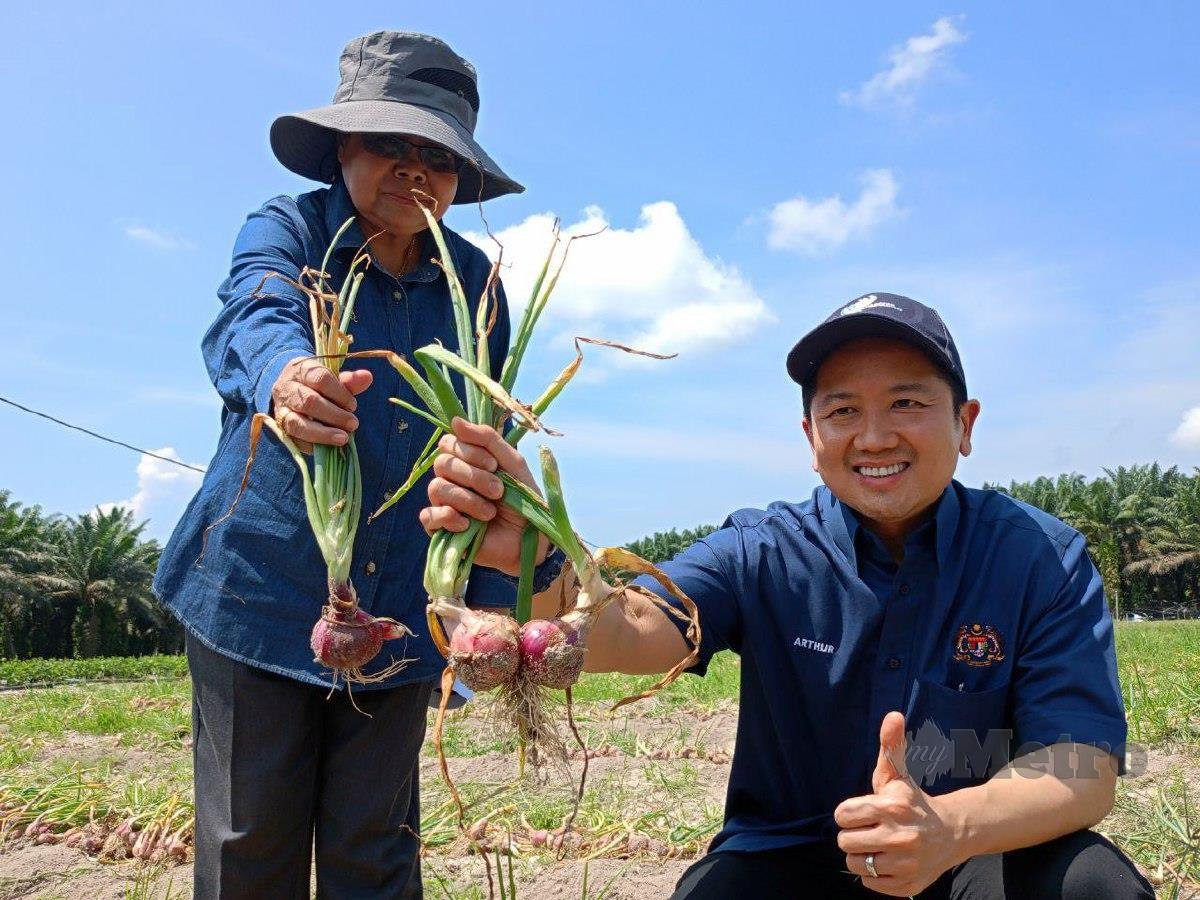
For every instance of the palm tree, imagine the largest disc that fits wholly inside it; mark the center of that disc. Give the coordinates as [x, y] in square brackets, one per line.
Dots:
[663, 545]
[1172, 538]
[99, 567]
[1142, 525]
[24, 535]
[1095, 512]
[21, 531]
[149, 627]
[1054, 495]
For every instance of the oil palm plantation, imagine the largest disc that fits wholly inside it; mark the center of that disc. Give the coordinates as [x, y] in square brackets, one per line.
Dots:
[1172, 540]
[23, 541]
[99, 574]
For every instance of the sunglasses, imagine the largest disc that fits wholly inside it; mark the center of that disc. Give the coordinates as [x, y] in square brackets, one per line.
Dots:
[436, 159]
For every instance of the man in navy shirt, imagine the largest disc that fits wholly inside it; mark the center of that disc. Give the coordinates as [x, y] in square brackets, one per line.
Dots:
[929, 695]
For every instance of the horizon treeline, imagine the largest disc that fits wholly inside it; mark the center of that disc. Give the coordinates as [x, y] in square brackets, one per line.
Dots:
[78, 587]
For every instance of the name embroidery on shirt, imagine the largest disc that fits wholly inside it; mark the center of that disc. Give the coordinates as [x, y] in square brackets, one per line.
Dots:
[978, 645]
[809, 644]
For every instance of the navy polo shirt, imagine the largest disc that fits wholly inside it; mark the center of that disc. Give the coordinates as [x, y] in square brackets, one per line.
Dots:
[992, 636]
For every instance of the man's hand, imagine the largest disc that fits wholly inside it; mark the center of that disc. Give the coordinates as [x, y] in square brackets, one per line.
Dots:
[467, 487]
[899, 824]
[633, 636]
[314, 406]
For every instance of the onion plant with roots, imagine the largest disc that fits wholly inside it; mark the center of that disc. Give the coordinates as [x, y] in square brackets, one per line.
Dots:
[345, 637]
[522, 661]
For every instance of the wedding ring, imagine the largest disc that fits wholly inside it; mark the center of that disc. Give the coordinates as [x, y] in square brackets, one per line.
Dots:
[869, 862]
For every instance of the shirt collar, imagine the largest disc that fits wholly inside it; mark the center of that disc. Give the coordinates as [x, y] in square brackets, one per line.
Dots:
[339, 208]
[843, 523]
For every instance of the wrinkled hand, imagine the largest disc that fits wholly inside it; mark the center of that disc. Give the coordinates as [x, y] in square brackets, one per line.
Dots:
[466, 487]
[314, 406]
[899, 823]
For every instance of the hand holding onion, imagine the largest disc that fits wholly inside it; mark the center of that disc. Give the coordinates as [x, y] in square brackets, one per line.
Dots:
[485, 648]
[313, 401]
[487, 511]
[551, 652]
[314, 405]
[467, 486]
[471, 473]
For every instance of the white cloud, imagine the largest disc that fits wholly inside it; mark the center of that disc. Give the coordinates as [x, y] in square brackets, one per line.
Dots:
[651, 286]
[910, 65]
[163, 490]
[820, 226]
[1187, 435]
[153, 237]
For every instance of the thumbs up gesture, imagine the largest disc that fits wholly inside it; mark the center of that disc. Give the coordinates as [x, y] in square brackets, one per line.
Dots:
[892, 763]
[898, 830]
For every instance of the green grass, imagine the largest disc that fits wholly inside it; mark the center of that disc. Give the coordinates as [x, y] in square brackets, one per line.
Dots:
[720, 683]
[465, 735]
[144, 885]
[57, 671]
[1159, 825]
[147, 714]
[1159, 664]
[615, 803]
[111, 750]
[1160, 828]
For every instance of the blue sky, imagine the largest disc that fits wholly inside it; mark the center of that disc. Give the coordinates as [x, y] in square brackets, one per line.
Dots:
[1029, 169]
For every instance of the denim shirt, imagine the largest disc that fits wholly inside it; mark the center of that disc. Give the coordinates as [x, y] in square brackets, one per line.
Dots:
[254, 587]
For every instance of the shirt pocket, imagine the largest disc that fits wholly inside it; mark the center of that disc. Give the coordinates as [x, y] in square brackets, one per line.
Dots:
[956, 738]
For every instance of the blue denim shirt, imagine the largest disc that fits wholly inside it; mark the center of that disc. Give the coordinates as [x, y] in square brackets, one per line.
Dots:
[253, 590]
[992, 633]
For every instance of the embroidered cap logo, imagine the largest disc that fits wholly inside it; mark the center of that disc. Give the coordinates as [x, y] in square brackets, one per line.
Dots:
[871, 301]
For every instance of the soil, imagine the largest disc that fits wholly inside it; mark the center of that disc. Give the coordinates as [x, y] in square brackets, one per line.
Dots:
[55, 872]
[692, 749]
[92, 748]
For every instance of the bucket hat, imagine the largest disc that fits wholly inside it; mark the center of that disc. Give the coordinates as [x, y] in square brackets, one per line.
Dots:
[396, 82]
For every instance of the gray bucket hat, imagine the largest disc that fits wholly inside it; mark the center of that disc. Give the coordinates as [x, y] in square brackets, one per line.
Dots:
[399, 83]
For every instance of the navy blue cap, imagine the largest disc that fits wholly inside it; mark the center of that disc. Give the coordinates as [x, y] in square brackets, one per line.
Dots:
[878, 315]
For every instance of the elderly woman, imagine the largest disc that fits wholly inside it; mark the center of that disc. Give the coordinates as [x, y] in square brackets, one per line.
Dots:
[283, 766]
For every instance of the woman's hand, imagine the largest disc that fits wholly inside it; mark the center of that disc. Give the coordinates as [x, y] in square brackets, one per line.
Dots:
[313, 405]
[467, 487]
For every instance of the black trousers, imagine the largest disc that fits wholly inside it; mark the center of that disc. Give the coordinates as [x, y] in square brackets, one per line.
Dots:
[282, 772]
[1072, 867]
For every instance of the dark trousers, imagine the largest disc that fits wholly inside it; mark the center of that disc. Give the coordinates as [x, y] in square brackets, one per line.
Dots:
[281, 771]
[1072, 867]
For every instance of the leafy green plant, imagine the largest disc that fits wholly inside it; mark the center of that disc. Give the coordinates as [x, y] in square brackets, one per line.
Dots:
[28, 672]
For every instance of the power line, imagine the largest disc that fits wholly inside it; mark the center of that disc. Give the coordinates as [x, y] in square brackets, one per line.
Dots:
[100, 436]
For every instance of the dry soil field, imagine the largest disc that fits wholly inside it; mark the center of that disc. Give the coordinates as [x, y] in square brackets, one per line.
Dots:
[655, 787]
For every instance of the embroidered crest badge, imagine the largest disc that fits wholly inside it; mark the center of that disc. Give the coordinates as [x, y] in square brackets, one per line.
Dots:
[978, 645]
